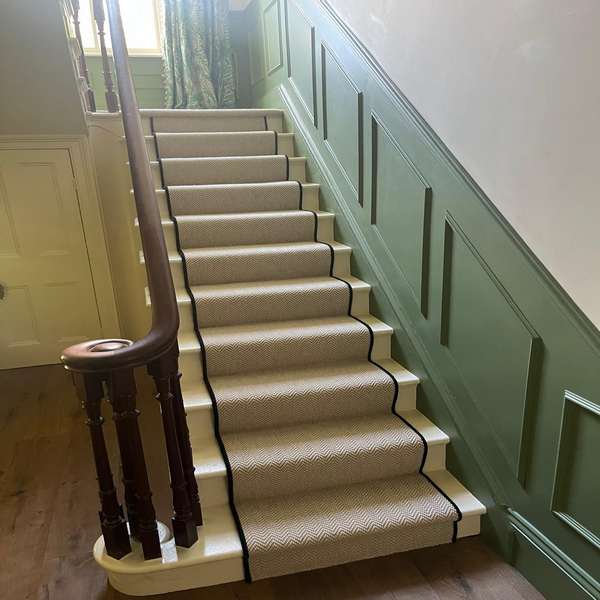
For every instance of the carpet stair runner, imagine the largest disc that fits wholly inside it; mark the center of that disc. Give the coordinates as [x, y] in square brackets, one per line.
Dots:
[322, 468]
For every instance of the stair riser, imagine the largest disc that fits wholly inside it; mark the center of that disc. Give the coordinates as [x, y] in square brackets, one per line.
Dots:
[310, 200]
[297, 172]
[285, 145]
[213, 489]
[273, 124]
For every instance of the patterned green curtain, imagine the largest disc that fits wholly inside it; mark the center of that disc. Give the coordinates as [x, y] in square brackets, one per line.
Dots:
[197, 54]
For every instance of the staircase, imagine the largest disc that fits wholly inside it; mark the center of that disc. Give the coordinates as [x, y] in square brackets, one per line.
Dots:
[308, 447]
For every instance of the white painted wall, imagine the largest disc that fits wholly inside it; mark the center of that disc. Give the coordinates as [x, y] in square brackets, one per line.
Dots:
[238, 4]
[38, 89]
[513, 89]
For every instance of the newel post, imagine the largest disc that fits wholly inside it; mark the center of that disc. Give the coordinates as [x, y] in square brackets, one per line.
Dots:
[114, 528]
[112, 103]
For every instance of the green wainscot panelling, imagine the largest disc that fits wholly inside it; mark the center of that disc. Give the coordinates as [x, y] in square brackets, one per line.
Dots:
[501, 350]
[402, 215]
[342, 119]
[148, 79]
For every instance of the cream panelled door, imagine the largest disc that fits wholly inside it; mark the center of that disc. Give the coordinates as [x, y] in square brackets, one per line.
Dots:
[49, 301]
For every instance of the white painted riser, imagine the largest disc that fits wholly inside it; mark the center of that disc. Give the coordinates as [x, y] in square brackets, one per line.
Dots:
[310, 199]
[297, 171]
[285, 145]
[273, 124]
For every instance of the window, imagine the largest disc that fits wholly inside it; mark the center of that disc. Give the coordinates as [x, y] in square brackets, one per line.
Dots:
[141, 21]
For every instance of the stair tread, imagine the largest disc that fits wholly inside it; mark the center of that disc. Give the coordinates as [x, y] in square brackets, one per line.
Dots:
[336, 514]
[257, 247]
[176, 257]
[184, 298]
[196, 394]
[258, 215]
[218, 538]
[209, 462]
[210, 112]
[188, 340]
[286, 136]
[309, 186]
[291, 441]
[278, 157]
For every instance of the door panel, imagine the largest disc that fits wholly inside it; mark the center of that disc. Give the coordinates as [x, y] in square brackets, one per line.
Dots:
[49, 298]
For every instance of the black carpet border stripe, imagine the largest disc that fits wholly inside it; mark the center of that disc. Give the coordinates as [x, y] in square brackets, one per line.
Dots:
[396, 390]
[236, 518]
[276, 143]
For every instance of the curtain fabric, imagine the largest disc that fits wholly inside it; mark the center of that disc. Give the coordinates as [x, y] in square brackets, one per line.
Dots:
[199, 70]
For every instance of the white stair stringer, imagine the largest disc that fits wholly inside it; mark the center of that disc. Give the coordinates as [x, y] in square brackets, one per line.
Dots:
[217, 557]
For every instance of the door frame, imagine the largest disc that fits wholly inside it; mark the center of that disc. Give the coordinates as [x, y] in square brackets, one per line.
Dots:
[88, 196]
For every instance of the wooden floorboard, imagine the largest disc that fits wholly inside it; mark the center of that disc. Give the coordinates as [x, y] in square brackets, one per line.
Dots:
[49, 518]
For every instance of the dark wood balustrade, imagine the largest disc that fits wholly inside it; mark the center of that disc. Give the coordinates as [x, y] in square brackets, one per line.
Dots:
[90, 101]
[106, 367]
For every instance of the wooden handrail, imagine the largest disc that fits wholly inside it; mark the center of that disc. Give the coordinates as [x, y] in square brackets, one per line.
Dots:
[111, 362]
[103, 356]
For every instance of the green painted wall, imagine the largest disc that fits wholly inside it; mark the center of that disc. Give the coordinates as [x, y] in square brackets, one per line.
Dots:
[147, 77]
[510, 368]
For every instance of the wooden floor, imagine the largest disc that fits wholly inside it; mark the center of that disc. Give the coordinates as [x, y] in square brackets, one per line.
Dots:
[49, 519]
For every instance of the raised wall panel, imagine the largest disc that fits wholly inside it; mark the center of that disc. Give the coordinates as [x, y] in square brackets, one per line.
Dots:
[302, 58]
[18, 317]
[273, 41]
[67, 317]
[256, 52]
[401, 210]
[9, 244]
[342, 119]
[496, 350]
[576, 498]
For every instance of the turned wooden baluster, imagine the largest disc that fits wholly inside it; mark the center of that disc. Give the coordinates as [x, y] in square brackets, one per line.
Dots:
[184, 521]
[123, 394]
[112, 103]
[126, 462]
[89, 97]
[183, 437]
[114, 528]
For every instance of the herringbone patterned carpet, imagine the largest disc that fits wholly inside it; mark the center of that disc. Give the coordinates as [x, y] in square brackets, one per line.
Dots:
[322, 470]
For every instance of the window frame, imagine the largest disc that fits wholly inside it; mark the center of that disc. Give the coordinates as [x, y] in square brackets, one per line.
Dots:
[148, 52]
